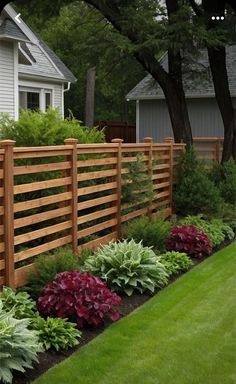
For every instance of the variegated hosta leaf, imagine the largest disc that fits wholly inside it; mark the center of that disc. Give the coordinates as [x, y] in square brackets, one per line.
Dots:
[127, 266]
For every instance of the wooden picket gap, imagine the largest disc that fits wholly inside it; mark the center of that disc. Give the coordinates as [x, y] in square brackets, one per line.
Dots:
[73, 196]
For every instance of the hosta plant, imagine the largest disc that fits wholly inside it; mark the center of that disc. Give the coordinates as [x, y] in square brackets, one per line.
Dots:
[127, 266]
[80, 297]
[56, 333]
[175, 262]
[189, 239]
[23, 305]
[19, 346]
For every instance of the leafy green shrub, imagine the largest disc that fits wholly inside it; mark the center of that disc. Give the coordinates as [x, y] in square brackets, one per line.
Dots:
[38, 128]
[195, 192]
[151, 232]
[215, 229]
[137, 183]
[18, 345]
[224, 177]
[175, 262]
[127, 266]
[21, 303]
[56, 333]
[48, 265]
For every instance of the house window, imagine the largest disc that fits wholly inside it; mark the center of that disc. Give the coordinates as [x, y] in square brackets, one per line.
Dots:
[48, 100]
[35, 98]
[33, 101]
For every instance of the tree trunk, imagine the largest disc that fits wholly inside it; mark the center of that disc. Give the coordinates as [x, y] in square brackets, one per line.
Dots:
[217, 60]
[173, 90]
[90, 92]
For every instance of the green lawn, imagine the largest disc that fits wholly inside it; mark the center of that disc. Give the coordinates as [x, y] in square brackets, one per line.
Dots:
[184, 335]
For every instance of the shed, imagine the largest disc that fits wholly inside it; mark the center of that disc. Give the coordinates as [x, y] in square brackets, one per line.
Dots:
[152, 116]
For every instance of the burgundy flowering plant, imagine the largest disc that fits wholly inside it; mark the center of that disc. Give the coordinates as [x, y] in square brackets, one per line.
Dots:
[189, 239]
[80, 297]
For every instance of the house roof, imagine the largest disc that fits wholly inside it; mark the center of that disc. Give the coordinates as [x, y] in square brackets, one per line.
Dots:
[9, 30]
[44, 62]
[196, 77]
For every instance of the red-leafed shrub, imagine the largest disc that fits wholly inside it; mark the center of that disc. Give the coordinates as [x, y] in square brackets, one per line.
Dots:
[80, 297]
[189, 239]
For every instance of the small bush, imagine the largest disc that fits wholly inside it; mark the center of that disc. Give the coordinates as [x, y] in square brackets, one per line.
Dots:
[56, 333]
[21, 303]
[195, 192]
[19, 346]
[151, 232]
[80, 297]
[215, 229]
[38, 128]
[224, 177]
[127, 266]
[175, 262]
[189, 239]
[47, 266]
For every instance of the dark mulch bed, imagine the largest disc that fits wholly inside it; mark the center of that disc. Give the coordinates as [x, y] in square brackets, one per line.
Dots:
[128, 304]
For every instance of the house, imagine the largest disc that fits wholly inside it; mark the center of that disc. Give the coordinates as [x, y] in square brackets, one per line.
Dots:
[31, 75]
[152, 117]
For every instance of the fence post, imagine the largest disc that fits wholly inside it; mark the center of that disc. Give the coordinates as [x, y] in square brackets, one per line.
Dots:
[170, 140]
[74, 191]
[217, 149]
[8, 221]
[149, 141]
[118, 180]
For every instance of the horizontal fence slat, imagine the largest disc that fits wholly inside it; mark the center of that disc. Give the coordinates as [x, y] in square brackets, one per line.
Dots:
[96, 188]
[21, 274]
[158, 176]
[20, 239]
[97, 228]
[98, 201]
[27, 169]
[96, 174]
[96, 162]
[43, 216]
[131, 215]
[97, 215]
[23, 255]
[39, 185]
[36, 203]
[94, 244]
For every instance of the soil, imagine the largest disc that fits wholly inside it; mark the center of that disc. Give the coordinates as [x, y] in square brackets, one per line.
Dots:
[128, 304]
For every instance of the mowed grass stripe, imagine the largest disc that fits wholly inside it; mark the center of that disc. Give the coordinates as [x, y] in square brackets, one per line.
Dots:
[183, 335]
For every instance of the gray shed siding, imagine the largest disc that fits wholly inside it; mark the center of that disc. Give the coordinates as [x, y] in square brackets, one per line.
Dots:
[154, 119]
[7, 101]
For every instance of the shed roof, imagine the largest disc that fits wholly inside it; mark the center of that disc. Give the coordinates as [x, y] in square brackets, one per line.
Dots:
[196, 77]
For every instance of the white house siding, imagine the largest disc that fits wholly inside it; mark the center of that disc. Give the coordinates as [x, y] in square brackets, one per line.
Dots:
[154, 118]
[7, 102]
[58, 98]
[57, 94]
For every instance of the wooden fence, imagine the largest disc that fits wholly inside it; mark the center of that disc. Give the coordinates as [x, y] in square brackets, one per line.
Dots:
[122, 129]
[208, 148]
[71, 194]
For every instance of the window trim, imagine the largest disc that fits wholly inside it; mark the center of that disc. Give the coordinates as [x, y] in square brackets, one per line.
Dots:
[41, 91]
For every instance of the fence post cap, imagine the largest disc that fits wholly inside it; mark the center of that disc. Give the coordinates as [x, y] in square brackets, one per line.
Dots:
[147, 139]
[169, 139]
[71, 140]
[7, 143]
[117, 140]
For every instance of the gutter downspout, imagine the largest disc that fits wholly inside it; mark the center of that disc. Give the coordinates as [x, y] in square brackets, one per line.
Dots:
[63, 92]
